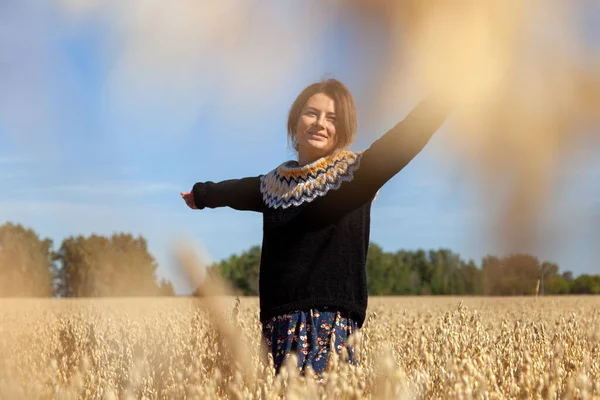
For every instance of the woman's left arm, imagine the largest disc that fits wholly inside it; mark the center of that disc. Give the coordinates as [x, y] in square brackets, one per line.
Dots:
[389, 155]
[396, 148]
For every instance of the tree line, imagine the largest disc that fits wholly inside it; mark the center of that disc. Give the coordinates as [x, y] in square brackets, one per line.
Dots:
[435, 272]
[121, 265]
[92, 266]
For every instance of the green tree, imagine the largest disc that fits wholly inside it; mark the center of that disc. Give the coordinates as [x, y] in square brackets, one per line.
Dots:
[405, 280]
[472, 278]
[242, 271]
[378, 266]
[567, 276]
[548, 271]
[421, 265]
[586, 284]
[432, 272]
[559, 285]
[25, 262]
[447, 272]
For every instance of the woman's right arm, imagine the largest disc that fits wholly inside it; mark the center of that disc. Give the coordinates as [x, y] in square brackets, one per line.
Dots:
[239, 194]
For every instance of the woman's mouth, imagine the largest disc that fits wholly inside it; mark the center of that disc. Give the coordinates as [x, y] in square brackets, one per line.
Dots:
[318, 135]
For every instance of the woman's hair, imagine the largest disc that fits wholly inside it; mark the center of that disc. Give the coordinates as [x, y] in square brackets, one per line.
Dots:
[345, 111]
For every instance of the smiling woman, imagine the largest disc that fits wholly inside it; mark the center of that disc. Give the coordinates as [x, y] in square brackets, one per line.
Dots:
[316, 221]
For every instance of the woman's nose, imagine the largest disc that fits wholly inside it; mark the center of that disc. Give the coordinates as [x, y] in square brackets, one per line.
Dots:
[321, 121]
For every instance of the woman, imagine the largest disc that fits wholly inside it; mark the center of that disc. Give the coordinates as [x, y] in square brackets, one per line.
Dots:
[316, 217]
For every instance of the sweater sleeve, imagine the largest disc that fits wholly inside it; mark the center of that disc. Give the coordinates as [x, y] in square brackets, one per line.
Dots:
[239, 194]
[396, 148]
[387, 156]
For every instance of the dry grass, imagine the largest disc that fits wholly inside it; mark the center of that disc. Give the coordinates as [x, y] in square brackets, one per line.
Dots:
[411, 348]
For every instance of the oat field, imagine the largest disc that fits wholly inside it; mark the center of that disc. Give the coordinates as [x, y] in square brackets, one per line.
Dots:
[410, 347]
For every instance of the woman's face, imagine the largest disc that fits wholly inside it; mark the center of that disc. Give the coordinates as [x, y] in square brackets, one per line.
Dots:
[315, 131]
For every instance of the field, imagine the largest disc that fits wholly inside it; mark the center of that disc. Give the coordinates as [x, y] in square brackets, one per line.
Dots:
[444, 347]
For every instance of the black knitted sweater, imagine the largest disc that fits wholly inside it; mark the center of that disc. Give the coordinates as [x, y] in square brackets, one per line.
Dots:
[316, 217]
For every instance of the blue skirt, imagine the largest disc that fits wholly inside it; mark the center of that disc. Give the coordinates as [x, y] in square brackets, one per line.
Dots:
[308, 334]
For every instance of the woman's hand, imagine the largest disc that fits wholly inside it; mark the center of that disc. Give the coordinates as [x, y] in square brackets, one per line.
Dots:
[189, 200]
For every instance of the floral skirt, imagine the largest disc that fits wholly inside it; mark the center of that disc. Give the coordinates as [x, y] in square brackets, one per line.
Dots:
[308, 334]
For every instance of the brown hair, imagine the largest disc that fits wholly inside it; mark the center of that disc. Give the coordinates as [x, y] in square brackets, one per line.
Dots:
[347, 120]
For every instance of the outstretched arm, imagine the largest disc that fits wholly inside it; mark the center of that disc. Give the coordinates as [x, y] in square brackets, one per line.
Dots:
[239, 194]
[387, 156]
[393, 151]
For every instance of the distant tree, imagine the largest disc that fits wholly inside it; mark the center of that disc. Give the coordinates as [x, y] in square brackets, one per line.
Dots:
[586, 284]
[420, 264]
[447, 272]
[405, 280]
[559, 285]
[548, 271]
[568, 276]
[441, 269]
[493, 275]
[472, 278]
[378, 266]
[119, 265]
[522, 272]
[25, 262]
[515, 274]
[242, 271]
[433, 272]
[418, 272]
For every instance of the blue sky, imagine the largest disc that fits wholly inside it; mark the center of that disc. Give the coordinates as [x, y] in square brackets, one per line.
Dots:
[106, 116]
